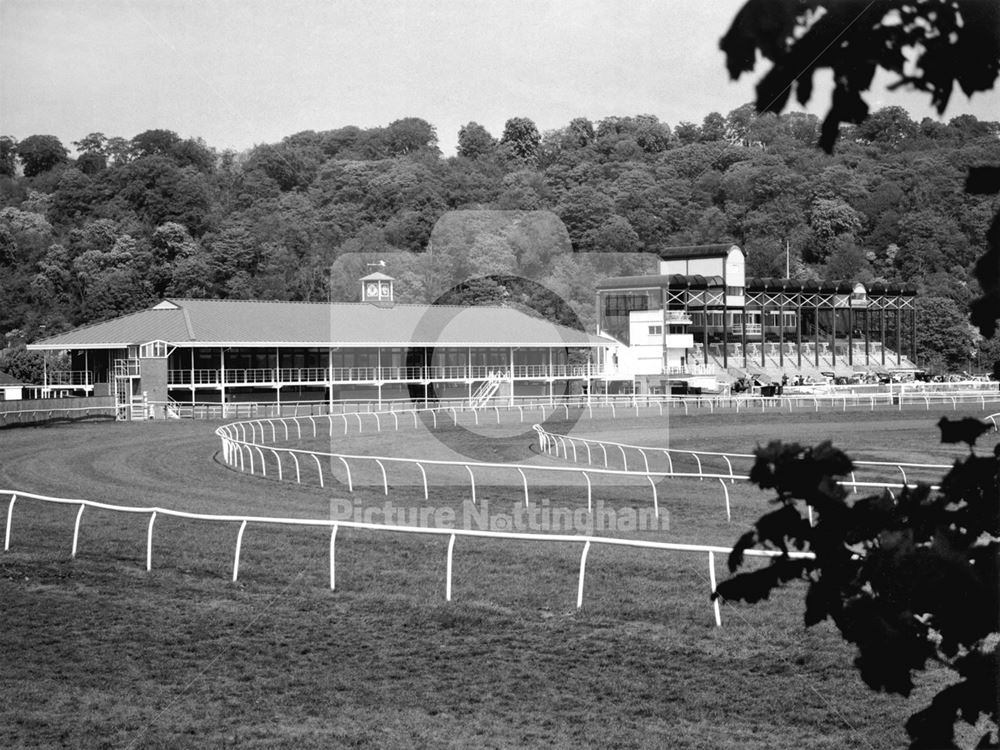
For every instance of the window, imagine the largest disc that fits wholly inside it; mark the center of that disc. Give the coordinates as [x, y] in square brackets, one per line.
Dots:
[655, 330]
[153, 350]
[734, 291]
[675, 329]
[623, 304]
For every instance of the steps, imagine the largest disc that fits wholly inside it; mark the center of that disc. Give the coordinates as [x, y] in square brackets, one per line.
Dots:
[486, 391]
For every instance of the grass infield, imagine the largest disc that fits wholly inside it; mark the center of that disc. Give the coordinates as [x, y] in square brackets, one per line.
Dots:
[99, 653]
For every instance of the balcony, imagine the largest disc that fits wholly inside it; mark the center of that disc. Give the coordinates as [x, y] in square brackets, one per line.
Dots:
[324, 376]
[69, 378]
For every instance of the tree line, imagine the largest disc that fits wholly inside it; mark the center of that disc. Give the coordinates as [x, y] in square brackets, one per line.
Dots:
[126, 221]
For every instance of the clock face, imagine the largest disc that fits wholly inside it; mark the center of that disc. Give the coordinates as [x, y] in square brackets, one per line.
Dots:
[373, 290]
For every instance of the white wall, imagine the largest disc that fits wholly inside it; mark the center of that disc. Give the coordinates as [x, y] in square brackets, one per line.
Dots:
[644, 355]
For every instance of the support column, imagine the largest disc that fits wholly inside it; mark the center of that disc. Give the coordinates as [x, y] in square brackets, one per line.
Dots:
[329, 379]
[816, 332]
[763, 326]
[881, 319]
[833, 333]
[725, 332]
[704, 325]
[899, 337]
[913, 335]
[510, 399]
[850, 336]
[798, 328]
[222, 378]
[781, 332]
[193, 401]
[868, 331]
[743, 326]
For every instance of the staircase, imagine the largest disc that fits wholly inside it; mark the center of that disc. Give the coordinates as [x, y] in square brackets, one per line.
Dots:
[127, 406]
[486, 391]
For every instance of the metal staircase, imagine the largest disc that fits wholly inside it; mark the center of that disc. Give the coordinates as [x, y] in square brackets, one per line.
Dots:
[487, 390]
[127, 405]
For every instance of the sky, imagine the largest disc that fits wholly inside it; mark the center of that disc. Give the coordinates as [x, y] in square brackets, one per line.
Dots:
[241, 72]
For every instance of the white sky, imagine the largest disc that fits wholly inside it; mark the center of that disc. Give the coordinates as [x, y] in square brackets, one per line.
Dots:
[240, 72]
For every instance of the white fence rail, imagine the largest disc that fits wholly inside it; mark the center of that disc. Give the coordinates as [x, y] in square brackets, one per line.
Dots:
[334, 525]
[29, 416]
[837, 397]
[251, 445]
[551, 443]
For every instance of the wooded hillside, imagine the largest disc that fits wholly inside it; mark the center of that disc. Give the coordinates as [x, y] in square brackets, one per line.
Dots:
[129, 221]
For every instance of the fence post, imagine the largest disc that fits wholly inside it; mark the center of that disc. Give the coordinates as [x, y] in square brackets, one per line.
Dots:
[424, 475]
[711, 580]
[319, 468]
[76, 529]
[239, 544]
[149, 543]
[656, 505]
[524, 479]
[10, 515]
[729, 515]
[385, 479]
[472, 482]
[333, 564]
[447, 575]
[583, 568]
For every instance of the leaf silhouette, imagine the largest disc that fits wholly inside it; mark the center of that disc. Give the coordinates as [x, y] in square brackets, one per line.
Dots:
[965, 430]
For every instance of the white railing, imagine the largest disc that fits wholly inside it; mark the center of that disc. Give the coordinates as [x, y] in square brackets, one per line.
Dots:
[323, 375]
[69, 377]
[551, 443]
[334, 525]
[251, 445]
[832, 397]
[36, 414]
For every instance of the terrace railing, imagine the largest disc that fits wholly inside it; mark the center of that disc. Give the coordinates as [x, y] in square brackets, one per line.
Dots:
[69, 377]
[323, 375]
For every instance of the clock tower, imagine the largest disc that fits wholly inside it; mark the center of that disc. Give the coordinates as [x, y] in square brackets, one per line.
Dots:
[377, 287]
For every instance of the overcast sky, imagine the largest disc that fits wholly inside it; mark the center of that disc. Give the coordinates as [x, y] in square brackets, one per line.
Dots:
[240, 72]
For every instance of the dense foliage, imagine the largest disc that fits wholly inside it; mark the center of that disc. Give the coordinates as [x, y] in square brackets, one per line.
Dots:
[909, 580]
[129, 220]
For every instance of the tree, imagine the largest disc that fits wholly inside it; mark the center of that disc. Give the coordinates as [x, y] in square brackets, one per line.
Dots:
[475, 141]
[154, 143]
[94, 143]
[8, 156]
[950, 43]
[521, 138]
[913, 578]
[409, 136]
[945, 339]
[889, 126]
[40, 153]
[907, 580]
[713, 127]
[687, 132]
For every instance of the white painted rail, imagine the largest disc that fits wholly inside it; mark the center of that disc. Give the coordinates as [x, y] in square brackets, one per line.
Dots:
[452, 533]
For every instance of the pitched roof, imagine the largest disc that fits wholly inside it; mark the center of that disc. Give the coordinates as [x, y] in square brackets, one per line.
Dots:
[697, 251]
[204, 322]
[7, 379]
[377, 276]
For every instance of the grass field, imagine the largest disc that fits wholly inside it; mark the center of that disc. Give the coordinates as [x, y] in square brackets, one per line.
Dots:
[99, 653]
